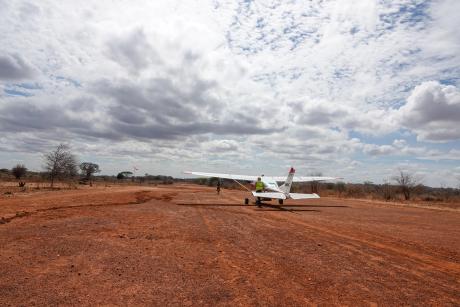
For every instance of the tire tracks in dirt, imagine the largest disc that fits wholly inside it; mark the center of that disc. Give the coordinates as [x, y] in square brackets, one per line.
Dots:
[423, 260]
[424, 264]
[266, 264]
[430, 261]
[141, 198]
[232, 271]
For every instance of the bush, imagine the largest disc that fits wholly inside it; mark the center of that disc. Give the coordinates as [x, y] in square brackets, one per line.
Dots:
[340, 187]
[19, 171]
[386, 192]
[355, 190]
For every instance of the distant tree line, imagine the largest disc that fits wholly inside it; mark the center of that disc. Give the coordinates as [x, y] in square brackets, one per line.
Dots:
[404, 186]
[61, 165]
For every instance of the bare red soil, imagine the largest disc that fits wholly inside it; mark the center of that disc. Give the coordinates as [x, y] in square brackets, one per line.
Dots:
[184, 245]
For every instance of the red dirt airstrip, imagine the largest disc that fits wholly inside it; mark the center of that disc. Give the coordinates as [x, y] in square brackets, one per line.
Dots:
[184, 245]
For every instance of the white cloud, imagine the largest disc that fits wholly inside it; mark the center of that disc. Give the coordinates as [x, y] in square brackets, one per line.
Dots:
[290, 81]
[14, 67]
[433, 112]
[345, 116]
[221, 146]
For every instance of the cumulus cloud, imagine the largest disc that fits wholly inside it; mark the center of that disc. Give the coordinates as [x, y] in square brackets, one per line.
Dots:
[343, 116]
[161, 109]
[307, 144]
[305, 82]
[13, 67]
[25, 116]
[400, 148]
[432, 111]
[132, 51]
[220, 146]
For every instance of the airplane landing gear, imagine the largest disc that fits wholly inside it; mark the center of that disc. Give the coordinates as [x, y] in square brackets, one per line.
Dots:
[246, 201]
[259, 202]
[280, 201]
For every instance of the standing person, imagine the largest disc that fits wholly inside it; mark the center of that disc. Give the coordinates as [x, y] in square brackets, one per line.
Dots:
[259, 185]
[218, 187]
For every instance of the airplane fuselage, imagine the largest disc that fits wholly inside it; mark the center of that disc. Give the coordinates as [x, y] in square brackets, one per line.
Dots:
[271, 185]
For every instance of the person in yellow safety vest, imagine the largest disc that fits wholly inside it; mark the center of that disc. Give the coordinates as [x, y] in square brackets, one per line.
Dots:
[259, 185]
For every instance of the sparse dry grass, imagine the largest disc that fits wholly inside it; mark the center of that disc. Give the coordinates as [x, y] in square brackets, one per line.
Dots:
[422, 196]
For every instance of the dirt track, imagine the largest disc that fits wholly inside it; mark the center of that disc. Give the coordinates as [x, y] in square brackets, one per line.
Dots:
[184, 245]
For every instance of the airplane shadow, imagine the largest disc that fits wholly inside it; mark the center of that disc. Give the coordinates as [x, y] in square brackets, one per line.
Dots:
[212, 205]
[265, 207]
[264, 204]
[281, 209]
[315, 206]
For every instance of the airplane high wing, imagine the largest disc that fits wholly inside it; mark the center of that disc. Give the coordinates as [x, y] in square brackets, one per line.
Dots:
[224, 176]
[271, 188]
[254, 178]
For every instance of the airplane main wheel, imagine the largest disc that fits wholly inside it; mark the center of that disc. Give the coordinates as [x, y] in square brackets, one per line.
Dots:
[280, 201]
[246, 201]
[258, 202]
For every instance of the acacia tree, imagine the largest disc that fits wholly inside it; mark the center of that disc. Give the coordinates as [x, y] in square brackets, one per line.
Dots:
[60, 163]
[18, 172]
[406, 182]
[125, 174]
[89, 169]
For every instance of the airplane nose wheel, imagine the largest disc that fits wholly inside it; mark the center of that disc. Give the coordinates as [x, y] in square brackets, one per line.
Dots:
[280, 201]
[246, 201]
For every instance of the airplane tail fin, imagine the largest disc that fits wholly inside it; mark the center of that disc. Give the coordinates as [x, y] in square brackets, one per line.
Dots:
[286, 187]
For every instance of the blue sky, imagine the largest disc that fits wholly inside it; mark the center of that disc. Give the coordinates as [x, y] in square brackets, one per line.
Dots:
[357, 89]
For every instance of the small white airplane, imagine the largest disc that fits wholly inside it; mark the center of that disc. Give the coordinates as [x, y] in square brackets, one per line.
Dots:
[271, 188]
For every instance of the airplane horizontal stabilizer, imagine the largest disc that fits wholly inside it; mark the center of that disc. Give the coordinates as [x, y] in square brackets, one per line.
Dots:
[269, 195]
[303, 196]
